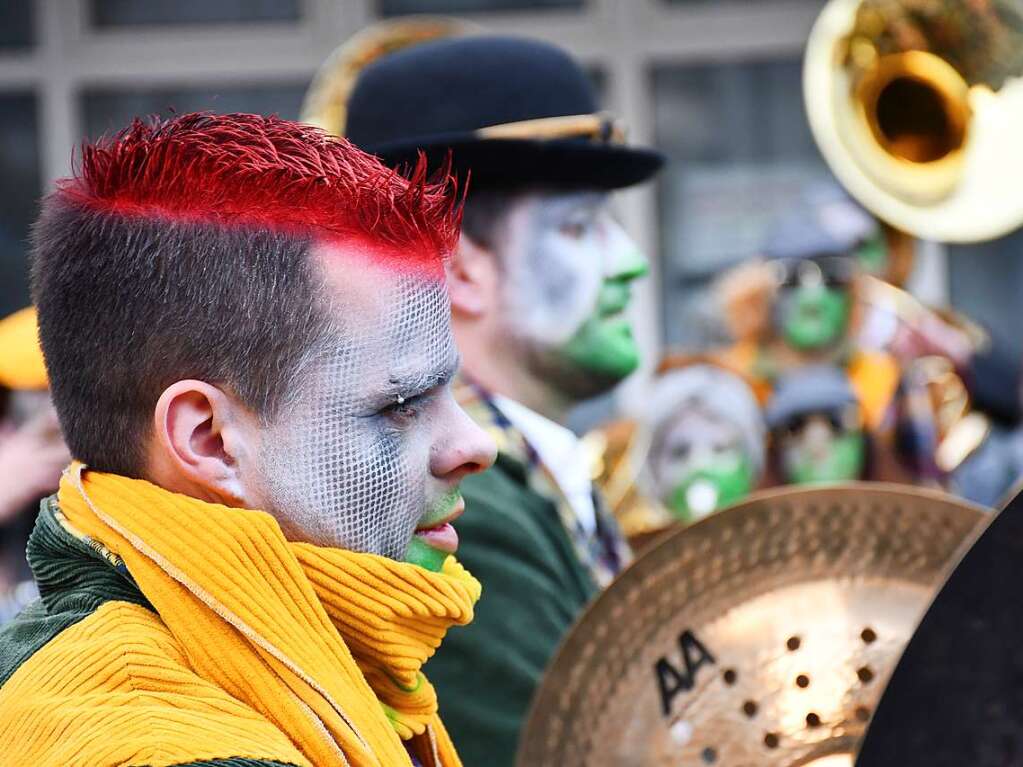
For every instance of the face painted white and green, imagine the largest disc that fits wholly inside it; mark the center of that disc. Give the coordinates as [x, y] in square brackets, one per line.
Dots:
[813, 314]
[370, 454]
[820, 450]
[568, 271]
[699, 464]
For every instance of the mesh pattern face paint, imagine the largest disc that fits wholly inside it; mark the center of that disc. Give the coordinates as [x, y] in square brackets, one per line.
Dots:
[349, 467]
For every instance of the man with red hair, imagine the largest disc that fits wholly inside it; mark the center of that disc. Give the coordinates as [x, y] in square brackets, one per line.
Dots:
[247, 334]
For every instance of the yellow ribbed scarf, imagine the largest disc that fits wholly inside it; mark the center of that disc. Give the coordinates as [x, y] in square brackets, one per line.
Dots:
[326, 644]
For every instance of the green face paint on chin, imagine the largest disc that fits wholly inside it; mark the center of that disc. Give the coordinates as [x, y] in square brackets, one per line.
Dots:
[715, 485]
[816, 317]
[844, 462]
[605, 344]
[420, 552]
[426, 556]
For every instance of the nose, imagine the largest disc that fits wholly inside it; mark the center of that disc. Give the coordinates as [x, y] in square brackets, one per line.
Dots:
[463, 447]
[625, 261]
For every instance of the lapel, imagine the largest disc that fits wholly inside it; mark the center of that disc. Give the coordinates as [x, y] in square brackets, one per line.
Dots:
[603, 553]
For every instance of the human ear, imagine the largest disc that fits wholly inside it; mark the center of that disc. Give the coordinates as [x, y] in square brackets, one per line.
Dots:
[472, 278]
[199, 435]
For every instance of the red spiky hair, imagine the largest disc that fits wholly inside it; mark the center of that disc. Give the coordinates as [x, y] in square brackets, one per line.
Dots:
[265, 172]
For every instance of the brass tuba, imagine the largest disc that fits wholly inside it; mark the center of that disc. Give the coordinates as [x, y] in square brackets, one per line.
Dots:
[917, 106]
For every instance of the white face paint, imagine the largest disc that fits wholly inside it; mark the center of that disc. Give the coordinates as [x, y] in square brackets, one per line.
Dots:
[695, 438]
[567, 272]
[349, 465]
[554, 274]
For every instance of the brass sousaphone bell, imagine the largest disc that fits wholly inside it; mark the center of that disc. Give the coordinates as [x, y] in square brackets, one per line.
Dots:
[917, 106]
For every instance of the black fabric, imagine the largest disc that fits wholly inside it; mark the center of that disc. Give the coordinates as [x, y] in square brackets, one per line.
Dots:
[956, 697]
[994, 382]
[432, 97]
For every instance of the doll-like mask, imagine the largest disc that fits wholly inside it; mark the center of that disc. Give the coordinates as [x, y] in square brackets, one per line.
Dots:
[699, 463]
[814, 301]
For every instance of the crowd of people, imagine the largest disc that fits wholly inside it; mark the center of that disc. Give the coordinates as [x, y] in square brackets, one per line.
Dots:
[267, 368]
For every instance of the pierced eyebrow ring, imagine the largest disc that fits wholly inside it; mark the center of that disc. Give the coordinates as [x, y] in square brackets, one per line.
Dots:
[400, 399]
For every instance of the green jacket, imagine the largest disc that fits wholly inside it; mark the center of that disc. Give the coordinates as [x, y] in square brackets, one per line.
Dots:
[75, 580]
[536, 580]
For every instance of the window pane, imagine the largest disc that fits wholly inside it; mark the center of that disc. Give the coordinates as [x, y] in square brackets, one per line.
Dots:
[19, 194]
[16, 24]
[401, 7]
[108, 110]
[128, 13]
[740, 151]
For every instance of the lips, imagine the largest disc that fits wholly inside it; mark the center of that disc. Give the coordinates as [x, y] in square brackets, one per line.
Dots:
[440, 534]
[443, 538]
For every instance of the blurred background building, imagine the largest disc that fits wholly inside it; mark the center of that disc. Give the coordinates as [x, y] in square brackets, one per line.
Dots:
[716, 84]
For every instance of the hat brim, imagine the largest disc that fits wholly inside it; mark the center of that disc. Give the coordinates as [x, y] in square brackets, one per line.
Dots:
[500, 163]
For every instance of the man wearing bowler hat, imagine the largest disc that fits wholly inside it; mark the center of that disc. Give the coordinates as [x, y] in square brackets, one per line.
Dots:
[539, 287]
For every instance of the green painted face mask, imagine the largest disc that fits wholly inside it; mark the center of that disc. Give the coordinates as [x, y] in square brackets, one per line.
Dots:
[844, 461]
[720, 482]
[604, 344]
[815, 316]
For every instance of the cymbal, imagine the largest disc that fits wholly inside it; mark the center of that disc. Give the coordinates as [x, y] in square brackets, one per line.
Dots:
[761, 635]
[956, 696]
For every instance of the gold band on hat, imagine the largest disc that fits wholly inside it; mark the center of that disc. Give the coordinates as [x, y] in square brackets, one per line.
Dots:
[600, 128]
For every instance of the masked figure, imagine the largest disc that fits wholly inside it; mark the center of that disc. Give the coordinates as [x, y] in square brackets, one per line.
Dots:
[800, 305]
[817, 430]
[707, 452]
[698, 446]
[540, 287]
[247, 334]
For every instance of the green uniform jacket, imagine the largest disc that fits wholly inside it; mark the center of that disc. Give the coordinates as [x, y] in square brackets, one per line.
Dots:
[536, 580]
[512, 540]
[75, 580]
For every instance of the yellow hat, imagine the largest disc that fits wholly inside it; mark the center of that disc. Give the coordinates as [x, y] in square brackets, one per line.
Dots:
[21, 358]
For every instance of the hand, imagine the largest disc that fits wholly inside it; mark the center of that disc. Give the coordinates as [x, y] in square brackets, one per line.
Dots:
[32, 457]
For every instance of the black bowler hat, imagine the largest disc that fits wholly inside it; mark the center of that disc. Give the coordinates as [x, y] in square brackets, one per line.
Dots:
[515, 112]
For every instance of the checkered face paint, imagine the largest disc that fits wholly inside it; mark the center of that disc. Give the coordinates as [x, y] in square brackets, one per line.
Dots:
[349, 464]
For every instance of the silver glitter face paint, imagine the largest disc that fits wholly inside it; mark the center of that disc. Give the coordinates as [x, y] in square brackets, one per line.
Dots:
[349, 465]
